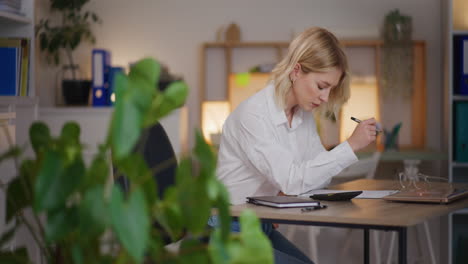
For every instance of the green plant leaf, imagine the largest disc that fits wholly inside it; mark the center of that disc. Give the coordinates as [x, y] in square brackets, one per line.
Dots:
[17, 198]
[255, 247]
[39, 135]
[94, 211]
[130, 220]
[97, 173]
[56, 181]
[173, 97]
[77, 254]
[60, 223]
[147, 70]
[169, 214]
[70, 133]
[193, 251]
[126, 127]
[136, 169]
[19, 192]
[70, 141]
[223, 204]
[18, 256]
[195, 205]
[205, 155]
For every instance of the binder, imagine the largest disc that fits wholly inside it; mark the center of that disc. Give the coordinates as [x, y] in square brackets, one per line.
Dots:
[101, 66]
[461, 132]
[460, 60]
[112, 73]
[8, 71]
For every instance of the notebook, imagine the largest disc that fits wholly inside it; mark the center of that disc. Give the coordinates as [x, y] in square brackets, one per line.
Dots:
[433, 196]
[282, 201]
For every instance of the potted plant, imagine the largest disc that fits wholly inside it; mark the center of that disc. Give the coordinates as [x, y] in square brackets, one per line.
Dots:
[62, 39]
[89, 220]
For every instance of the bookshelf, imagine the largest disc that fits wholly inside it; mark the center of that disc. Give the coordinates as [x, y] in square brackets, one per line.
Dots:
[455, 27]
[18, 112]
[21, 26]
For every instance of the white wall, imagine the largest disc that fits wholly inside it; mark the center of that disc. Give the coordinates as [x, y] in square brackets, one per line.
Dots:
[173, 30]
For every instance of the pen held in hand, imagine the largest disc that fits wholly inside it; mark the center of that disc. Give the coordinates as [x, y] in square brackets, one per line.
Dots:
[359, 121]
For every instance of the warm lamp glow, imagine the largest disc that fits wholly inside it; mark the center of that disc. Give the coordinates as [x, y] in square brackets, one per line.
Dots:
[460, 19]
[363, 104]
[214, 113]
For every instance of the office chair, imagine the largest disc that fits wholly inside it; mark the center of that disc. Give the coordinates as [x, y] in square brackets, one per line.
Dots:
[364, 168]
[157, 150]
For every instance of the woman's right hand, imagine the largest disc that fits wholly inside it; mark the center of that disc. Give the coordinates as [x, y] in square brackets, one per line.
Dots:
[364, 134]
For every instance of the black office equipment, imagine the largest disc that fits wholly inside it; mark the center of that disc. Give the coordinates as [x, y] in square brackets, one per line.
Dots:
[156, 149]
[340, 196]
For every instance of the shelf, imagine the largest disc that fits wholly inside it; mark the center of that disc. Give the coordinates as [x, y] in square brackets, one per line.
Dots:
[460, 32]
[75, 110]
[462, 211]
[18, 100]
[460, 97]
[12, 17]
[460, 164]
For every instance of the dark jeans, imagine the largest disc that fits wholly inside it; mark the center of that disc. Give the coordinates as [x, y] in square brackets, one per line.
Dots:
[284, 251]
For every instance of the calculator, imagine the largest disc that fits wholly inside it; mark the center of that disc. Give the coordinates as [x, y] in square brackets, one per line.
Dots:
[340, 196]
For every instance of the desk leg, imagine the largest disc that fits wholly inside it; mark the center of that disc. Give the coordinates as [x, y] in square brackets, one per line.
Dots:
[402, 246]
[366, 246]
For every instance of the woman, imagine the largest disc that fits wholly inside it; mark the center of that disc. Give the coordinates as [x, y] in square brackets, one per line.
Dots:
[270, 143]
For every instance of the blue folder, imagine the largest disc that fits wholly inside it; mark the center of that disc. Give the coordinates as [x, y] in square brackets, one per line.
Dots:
[8, 71]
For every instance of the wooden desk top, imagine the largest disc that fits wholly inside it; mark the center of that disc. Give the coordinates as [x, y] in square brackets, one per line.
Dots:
[360, 211]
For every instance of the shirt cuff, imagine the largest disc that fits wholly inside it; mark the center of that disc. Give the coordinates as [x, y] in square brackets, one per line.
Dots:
[344, 155]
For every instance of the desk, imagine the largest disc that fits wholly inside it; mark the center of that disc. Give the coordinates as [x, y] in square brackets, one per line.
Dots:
[364, 214]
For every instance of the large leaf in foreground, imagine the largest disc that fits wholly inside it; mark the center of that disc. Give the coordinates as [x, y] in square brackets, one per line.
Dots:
[131, 222]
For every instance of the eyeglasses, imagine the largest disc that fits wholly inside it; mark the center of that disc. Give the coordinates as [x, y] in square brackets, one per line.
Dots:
[424, 184]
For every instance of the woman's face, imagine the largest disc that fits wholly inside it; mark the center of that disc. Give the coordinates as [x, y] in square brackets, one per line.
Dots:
[312, 89]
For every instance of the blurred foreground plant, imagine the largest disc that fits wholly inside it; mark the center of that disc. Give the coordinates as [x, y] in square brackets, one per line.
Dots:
[90, 220]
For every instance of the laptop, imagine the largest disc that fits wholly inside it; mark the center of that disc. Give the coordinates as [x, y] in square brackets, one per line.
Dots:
[432, 196]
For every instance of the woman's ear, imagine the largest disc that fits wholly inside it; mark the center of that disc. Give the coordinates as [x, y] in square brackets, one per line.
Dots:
[296, 70]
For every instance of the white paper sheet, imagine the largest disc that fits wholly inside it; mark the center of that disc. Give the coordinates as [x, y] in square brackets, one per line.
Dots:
[364, 195]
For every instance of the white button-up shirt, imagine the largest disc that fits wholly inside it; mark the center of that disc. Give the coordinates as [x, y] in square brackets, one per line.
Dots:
[260, 154]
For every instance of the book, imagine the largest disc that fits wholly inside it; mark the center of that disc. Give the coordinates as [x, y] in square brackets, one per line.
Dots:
[8, 71]
[24, 68]
[460, 147]
[442, 196]
[282, 201]
[21, 65]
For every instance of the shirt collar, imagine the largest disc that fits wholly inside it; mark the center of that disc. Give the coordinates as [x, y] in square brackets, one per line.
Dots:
[277, 113]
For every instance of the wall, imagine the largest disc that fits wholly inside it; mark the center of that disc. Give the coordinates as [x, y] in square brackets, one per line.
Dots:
[173, 31]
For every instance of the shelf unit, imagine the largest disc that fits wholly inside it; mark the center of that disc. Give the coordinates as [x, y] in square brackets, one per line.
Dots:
[21, 26]
[457, 235]
[418, 101]
[22, 110]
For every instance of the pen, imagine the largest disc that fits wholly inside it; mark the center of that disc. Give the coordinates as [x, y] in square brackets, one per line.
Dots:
[359, 121]
[308, 209]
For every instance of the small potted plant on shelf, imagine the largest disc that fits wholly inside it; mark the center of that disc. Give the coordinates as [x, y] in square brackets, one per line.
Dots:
[60, 40]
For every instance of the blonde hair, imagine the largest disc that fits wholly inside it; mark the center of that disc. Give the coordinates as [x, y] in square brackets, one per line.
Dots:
[316, 50]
